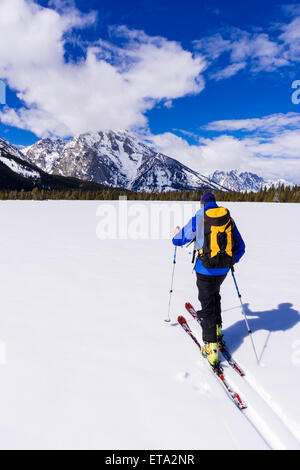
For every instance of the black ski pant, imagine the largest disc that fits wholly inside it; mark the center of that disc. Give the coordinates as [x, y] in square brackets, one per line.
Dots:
[210, 299]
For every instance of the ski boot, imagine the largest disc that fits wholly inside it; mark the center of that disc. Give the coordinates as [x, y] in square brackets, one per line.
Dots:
[210, 352]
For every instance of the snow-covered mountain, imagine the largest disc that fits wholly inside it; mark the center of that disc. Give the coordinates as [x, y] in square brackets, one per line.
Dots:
[244, 181]
[9, 149]
[17, 172]
[116, 159]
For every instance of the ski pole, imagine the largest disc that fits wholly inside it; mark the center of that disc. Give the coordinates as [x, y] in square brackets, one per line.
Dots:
[192, 241]
[194, 250]
[243, 312]
[171, 289]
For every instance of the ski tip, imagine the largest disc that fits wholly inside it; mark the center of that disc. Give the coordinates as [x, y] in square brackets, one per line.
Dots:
[181, 319]
[188, 305]
[239, 402]
[239, 370]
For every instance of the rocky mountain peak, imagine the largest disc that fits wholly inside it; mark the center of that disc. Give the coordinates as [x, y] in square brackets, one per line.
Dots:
[116, 158]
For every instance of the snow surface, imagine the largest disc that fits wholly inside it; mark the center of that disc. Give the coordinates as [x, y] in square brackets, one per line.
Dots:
[90, 363]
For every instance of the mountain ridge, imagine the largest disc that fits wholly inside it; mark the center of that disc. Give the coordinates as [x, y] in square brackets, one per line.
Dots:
[17, 173]
[116, 158]
[243, 181]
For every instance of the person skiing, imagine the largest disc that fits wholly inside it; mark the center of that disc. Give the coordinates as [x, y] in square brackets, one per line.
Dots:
[219, 245]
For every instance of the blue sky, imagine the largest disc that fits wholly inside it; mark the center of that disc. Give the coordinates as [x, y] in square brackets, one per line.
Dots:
[208, 82]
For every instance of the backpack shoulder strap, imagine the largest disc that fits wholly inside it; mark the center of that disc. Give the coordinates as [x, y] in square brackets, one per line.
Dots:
[201, 224]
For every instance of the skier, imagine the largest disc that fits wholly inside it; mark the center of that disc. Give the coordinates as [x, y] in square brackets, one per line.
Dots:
[219, 245]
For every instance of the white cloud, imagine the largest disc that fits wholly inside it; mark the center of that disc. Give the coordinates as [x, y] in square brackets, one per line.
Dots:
[291, 38]
[229, 71]
[213, 46]
[272, 154]
[276, 47]
[272, 123]
[259, 49]
[98, 92]
[284, 145]
[223, 152]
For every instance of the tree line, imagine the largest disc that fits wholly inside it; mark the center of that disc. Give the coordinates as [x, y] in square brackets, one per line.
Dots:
[273, 194]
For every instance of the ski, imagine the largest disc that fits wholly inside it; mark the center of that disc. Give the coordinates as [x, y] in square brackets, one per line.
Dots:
[217, 370]
[221, 345]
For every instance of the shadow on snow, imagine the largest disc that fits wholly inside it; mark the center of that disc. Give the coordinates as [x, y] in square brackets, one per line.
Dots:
[281, 318]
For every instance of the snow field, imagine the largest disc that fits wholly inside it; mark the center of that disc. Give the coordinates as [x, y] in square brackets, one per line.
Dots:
[91, 364]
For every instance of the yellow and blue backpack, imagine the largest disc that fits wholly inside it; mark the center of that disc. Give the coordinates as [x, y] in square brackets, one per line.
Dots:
[217, 250]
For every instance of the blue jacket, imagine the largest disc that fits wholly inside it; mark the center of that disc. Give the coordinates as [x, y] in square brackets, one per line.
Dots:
[191, 230]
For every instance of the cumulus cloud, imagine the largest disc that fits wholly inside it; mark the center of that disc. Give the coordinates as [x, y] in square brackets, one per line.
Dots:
[223, 152]
[272, 154]
[112, 87]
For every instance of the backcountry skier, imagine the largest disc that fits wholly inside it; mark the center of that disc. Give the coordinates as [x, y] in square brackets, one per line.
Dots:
[219, 245]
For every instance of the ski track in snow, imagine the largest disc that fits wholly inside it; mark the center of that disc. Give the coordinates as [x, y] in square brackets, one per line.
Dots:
[274, 430]
[282, 436]
[264, 415]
